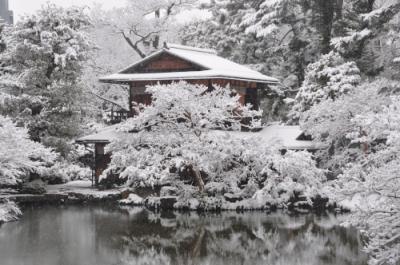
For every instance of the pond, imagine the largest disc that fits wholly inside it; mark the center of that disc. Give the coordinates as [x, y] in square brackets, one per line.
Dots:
[83, 235]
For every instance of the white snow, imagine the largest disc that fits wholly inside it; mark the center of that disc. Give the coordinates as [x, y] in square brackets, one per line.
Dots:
[132, 199]
[83, 187]
[282, 135]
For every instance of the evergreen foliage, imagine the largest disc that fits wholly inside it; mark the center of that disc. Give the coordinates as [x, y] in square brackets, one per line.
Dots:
[44, 61]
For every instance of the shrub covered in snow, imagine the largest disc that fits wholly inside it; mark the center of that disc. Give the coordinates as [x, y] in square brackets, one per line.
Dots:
[293, 175]
[179, 140]
[64, 171]
[325, 79]
[374, 181]
[132, 199]
[333, 122]
[20, 156]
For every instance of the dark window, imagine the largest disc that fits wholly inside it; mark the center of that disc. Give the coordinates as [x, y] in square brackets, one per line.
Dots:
[251, 98]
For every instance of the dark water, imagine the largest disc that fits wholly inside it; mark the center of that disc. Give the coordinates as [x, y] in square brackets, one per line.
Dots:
[103, 235]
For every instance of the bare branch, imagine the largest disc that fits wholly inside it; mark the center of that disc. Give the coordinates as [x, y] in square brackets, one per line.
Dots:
[133, 46]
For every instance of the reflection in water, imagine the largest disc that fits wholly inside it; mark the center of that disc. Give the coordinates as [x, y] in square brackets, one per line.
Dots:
[103, 235]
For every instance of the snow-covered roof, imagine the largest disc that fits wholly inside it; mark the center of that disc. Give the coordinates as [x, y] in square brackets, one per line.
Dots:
[104, 135]
[215, 67]
[284, 136]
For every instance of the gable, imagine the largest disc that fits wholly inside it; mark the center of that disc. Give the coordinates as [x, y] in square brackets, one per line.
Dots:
[163, 63]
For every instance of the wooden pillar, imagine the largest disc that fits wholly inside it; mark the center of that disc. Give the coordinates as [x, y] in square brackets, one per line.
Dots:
[101, 160]
[130, 113]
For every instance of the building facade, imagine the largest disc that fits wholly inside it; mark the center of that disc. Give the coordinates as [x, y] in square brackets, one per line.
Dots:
[6, 15]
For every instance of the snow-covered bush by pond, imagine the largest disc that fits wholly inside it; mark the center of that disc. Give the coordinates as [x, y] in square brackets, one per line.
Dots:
[20, 156]
[362, 129]
[333, 122]
[180, 140]
[372, 184]
[293, 175]
[64, 171]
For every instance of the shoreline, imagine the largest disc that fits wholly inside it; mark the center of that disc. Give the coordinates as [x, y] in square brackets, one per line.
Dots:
[81, 192]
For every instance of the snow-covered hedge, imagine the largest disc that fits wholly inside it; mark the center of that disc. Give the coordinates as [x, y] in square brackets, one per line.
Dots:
[181, 140]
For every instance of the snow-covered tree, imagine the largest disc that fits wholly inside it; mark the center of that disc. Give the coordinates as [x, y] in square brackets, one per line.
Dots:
[2, 42]
[223, 33]
[372, 183]
[20, 156]
[326, 79]
[285, 36]
[367, 34]
[331, 122]
[267, 18]
[177, 123]
[360, 130]
[227, 32]
[186, 136]
[301, 30]
[45, 56]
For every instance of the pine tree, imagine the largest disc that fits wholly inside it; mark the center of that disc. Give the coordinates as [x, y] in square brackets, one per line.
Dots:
[326, 79]
[45, 56]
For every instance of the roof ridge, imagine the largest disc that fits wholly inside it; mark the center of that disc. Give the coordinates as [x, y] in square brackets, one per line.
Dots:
[190, 48]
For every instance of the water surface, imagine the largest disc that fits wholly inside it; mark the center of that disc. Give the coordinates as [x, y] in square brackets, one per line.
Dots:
[77, 235]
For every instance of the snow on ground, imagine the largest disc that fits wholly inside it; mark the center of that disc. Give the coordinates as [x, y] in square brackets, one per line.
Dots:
[287, 137]
[133, 199]
[83, 187]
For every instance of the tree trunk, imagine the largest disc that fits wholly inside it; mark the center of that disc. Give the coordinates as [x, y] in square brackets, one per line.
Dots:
[339, 9]
[326, 10]
[198, 178]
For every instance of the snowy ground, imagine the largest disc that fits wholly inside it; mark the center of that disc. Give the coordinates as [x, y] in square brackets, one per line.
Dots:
[83, 187]
[72, 191]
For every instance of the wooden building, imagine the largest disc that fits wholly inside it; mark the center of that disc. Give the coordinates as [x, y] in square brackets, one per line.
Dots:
[199, 66]
[175, 63]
